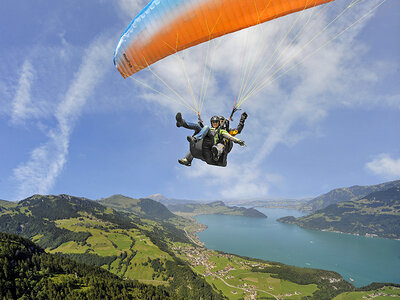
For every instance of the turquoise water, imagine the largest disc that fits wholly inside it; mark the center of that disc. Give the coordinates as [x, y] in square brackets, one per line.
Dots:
[362, 259]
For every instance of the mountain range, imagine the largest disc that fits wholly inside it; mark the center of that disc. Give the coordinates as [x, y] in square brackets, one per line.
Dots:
[376, 214]
[216, 207]
[346, 194]
[169, 201]
[120, 247]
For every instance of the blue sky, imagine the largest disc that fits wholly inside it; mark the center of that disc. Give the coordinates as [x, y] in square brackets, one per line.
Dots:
[69, 122]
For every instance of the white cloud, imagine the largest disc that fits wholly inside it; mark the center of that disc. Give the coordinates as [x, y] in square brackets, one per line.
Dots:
[130, 8]
[39, 173]
[34, 89]
[22, 107]
[385, 166]
[236, 181]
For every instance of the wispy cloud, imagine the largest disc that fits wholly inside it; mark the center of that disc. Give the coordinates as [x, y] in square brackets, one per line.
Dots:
[385, 166]
[39, 173]
[130, 8]
[22, 107]
[32, 90]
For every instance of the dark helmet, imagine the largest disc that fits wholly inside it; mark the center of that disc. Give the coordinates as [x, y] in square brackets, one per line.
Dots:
[214, 119]
[225, 122]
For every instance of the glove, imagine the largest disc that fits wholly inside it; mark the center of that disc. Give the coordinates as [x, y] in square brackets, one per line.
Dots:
[241, 143]
[244, 116]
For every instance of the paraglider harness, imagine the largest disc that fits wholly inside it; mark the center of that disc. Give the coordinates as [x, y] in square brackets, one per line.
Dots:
[202, 148]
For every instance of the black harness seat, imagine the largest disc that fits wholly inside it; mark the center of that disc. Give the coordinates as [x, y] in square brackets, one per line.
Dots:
[202, 150]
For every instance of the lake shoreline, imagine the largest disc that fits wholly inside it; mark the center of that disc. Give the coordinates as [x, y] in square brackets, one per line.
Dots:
[368, 235]
[262, 239]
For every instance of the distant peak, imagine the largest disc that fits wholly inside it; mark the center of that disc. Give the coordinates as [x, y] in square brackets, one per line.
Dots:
[119, 196]
[157, 197]
[217, 203]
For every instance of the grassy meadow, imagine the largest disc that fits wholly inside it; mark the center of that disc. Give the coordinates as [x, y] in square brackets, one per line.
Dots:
[132, 248]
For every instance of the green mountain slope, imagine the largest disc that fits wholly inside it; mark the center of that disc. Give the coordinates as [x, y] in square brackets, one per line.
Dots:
[145, 208]
[36, 216]
[217, 207]
[346, 194]
[377, 214]
[28, 272]
[5, 204]
[122, 243]
[167, 201]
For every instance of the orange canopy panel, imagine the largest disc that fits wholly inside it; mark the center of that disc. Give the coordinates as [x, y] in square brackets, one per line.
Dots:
[164, 27]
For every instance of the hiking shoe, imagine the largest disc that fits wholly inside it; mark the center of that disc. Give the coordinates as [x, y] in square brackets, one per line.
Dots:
[191, 139]
[214, 151]
[184, 162]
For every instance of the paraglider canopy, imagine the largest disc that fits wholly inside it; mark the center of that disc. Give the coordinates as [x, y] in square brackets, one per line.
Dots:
[165, 27]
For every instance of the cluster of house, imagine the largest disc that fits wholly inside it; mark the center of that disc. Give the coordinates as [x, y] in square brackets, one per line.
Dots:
[377, 294]
[224, 272]
[250, 290]
[196, 256]
[201, 257]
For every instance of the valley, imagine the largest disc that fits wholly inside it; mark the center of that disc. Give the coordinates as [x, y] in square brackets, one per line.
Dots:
[158, 249]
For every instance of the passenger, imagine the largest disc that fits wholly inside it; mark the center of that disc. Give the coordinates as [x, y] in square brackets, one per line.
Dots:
[225, 124]
[215, 132]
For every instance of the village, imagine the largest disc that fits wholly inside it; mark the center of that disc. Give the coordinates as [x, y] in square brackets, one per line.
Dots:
[380, 294]
[199, 256]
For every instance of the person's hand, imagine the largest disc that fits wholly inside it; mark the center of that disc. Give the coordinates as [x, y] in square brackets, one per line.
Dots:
[241, 143]
[244, 115]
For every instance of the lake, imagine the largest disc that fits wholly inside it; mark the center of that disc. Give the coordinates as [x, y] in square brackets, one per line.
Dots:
[360, 258]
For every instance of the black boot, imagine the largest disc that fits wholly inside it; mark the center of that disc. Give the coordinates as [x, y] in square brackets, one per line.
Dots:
[179, 120]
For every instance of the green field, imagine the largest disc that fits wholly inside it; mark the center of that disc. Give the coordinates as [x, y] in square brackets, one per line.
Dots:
[262, 283]
[233, 276]
[131, 247]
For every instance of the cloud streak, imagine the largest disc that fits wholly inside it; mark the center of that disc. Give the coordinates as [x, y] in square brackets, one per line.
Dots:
[385, 166]
[128, 8]
[22, 107]
[39, 173]
[237, 181]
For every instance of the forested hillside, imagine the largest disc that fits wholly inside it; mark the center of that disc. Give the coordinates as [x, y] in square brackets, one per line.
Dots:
[377, 214]
[122, 243]
[27, 272]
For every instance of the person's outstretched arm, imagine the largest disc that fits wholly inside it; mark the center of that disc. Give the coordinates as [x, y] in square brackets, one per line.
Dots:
[240, 126]
[227, 136]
